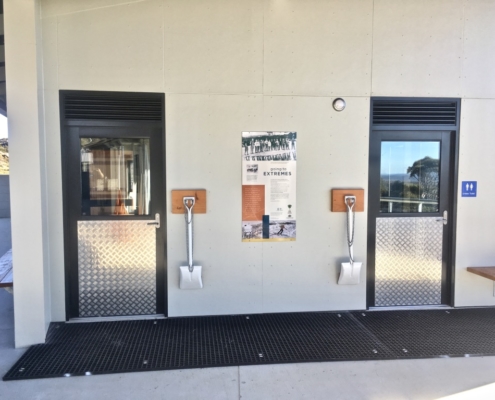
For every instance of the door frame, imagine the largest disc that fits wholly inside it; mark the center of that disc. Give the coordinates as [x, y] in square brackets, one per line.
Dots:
[448, 271]
[158, 200]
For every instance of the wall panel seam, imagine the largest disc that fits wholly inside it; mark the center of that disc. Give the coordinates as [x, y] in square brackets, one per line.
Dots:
[92, 9]
[463, 39]
[372, 45]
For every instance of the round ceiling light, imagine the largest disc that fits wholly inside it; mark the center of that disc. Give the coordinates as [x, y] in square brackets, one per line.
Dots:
[338, 104]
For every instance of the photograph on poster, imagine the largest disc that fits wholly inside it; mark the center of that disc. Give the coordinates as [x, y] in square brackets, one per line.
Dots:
[269, 186]
[252, 230]
[283, 229]
[269, 146]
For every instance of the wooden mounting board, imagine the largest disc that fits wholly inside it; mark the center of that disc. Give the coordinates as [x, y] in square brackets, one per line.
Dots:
[337, 203]
[178, 204]
[485, 272]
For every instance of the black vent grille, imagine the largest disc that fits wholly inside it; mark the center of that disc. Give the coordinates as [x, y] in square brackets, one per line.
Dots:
[120, 106]
[414, 112]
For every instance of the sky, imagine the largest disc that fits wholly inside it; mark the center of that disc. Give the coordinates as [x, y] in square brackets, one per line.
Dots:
[397, 156]
[3, 127]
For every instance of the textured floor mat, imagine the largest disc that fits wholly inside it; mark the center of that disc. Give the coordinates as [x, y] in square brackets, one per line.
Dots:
[434, 333]
[199, 342]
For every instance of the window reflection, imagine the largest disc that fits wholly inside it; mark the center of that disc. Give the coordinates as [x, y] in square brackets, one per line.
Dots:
[115, 176]
[409, 177]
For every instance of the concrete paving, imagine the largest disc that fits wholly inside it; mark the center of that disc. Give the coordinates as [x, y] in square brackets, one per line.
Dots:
[463, 378]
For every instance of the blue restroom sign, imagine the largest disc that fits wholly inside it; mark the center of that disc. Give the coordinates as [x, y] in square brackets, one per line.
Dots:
[469, 188]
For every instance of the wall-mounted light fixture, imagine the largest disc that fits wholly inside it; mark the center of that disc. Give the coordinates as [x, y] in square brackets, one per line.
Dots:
[338, 104]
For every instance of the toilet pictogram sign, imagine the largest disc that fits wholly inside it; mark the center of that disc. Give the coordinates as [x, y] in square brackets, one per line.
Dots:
[469, 188]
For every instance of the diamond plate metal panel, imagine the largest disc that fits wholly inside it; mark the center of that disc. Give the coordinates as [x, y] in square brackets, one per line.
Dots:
[117, 268]
[408, 264]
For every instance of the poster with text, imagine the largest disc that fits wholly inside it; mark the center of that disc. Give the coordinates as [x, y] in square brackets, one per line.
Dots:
[269, 186]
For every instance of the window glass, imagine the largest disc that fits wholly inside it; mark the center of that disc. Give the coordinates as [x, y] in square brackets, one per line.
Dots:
[115, 176]
[409, 177]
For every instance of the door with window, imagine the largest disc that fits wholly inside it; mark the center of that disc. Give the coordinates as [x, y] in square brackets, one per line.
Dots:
[410, 217]
[114, 217]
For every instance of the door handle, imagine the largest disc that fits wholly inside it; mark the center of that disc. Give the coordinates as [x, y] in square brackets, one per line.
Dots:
[156, 222]
[445, 218]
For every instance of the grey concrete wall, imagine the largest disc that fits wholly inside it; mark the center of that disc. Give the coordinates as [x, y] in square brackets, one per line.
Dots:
[4, 196]
[268, 65]
[252, 65]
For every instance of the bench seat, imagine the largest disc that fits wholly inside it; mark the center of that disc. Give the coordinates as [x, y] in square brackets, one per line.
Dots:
[6, 273]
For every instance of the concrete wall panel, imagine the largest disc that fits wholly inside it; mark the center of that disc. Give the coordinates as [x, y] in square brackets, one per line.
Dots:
[475, 216]
[55, 205]
[479, 49]
[205, 152]
[113, 48]
[264, 277]
[272, 65]
[213, 46]
[302, 275]
[27, 186]
[417, 48]
[318, 47]
[49, 49]
[52, 8]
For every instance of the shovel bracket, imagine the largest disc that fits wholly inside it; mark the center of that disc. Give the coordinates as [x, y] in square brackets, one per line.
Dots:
[337, 201]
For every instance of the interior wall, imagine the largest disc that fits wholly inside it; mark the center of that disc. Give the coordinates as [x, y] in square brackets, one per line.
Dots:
[228, 67]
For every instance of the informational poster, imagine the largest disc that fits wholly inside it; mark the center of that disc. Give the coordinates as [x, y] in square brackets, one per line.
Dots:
[269, 186]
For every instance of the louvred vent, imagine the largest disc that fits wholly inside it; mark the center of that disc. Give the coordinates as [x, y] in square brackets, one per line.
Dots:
[111, 106]
[412, 112]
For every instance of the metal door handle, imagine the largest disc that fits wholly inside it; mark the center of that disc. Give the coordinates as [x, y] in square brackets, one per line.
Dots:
[445, 218]
[156, 222]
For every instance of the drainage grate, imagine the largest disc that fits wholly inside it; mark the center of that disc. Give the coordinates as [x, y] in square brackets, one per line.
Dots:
[198, 342]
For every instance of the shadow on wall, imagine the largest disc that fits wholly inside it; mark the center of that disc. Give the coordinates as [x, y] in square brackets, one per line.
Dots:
[4, 196]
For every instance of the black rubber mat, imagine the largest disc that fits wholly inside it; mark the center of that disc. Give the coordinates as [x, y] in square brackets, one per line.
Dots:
[198, 342]
[434, 333]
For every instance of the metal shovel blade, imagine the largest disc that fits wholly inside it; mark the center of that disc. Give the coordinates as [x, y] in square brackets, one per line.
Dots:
[350, 273]
[191, 280]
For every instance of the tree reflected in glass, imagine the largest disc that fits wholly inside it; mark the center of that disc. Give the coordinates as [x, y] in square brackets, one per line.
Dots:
[410, 177]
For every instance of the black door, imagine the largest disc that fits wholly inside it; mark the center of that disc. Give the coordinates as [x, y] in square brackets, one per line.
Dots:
[410, 218]
[114, 212]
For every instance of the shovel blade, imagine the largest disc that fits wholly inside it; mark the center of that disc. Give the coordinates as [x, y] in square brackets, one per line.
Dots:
[190, 280]
[350, 273]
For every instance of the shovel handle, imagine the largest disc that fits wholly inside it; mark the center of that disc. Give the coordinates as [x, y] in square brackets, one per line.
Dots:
[188, 208]
[350, 202]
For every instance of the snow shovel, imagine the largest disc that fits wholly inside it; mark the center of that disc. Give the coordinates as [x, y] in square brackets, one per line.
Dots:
[351, 271]
[190, 276]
